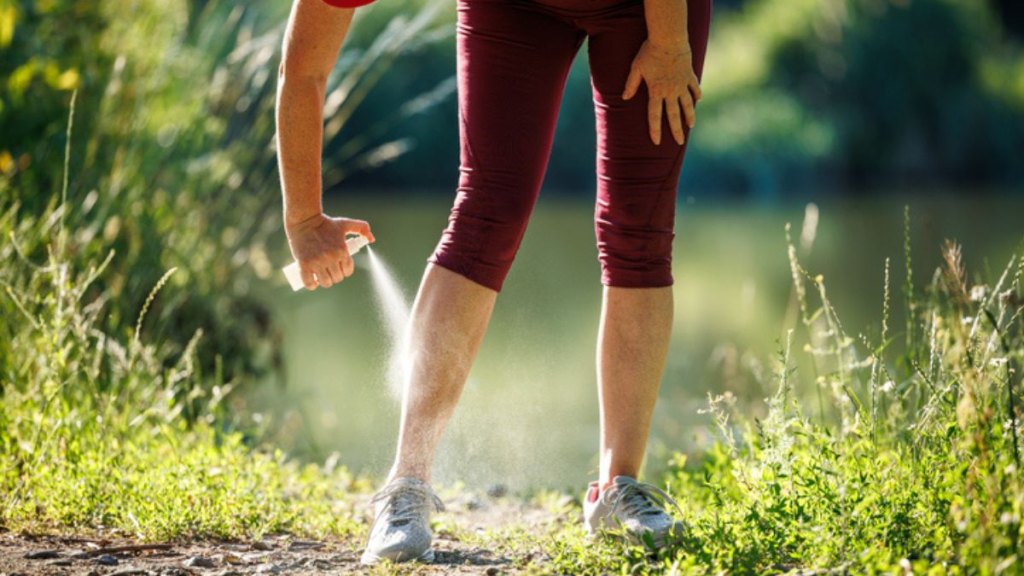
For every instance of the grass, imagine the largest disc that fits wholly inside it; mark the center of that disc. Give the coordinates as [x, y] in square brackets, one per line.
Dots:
[914, 469]
[99, 431]
[904, 457]
[129, 331]
[124, 362]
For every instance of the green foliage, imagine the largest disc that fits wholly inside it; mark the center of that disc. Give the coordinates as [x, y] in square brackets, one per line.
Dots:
[912, 465]
[129, 318]
[901, 82]
[47, 49]
[129, 269]
[126, 433]
[859, 93]
[176, 168]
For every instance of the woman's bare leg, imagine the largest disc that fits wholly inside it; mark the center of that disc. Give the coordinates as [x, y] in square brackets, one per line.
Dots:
[448, 322]
[636, 324]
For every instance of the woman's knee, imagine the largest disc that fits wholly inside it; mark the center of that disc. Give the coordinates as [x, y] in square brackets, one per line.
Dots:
[485, 230]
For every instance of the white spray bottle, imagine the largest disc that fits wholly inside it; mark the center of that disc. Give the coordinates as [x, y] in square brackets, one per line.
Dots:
[294, 275]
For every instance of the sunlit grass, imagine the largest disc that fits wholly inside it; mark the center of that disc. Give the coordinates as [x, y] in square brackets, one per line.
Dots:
[907, 457]
[133, 323]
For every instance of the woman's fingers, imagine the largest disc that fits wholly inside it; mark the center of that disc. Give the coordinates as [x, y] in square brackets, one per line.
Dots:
[654, 106]
[308, 278]
[360, 227]
[337, 275]
[675, 122]
[347, 267]
[321, 251]
[688, 110]
[632, 83]
[323, 278]
[363, 228]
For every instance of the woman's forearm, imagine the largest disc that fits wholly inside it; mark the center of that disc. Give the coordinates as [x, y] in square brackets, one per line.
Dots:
[666, 24]
[299, 140]
[312, 41]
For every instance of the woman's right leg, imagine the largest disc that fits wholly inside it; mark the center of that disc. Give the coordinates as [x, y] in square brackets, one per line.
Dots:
[448, 322]
[513, 59]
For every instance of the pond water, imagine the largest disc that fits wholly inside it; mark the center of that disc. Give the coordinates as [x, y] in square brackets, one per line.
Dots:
[528, 416]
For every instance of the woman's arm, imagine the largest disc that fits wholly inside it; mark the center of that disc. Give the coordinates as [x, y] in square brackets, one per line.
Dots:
[665, 64]
[312, 41]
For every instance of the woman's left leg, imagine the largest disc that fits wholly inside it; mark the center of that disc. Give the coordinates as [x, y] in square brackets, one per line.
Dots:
[634, 220]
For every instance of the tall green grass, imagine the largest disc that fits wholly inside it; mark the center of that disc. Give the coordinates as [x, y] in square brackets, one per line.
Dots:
[128, 295]
[100, 430]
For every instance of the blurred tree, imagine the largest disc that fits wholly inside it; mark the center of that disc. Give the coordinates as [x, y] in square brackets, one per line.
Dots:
[173, 158]
[47, 49]
[1011, 13]
[802, 94]
[901, 83]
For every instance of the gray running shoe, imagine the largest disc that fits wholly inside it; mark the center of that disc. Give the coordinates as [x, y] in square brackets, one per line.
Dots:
[401, 527]
[632, 507]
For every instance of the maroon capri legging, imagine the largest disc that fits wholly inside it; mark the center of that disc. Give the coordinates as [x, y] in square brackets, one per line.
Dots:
[513, 59]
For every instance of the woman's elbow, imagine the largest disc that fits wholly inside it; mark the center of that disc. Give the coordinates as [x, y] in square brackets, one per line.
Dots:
[295, 73]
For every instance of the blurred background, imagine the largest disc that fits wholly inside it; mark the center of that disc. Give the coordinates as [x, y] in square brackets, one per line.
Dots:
[831, 115]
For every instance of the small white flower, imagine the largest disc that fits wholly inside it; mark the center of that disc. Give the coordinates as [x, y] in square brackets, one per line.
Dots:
[978, 293]
[888, 386]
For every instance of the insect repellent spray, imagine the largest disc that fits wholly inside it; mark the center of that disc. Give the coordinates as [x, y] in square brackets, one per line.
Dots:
[294, 275]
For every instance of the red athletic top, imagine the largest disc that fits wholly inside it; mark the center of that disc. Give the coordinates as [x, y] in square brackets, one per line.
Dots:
[347, 3]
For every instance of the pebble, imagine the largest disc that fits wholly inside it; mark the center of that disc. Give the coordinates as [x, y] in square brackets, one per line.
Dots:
[497, 490]
[105, 560]
[320, 564]
[199, 562]
[304, 545]
[492, 571]
[42, 555]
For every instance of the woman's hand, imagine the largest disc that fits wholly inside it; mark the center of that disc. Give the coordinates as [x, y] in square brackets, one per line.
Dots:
[671, 84]
[318, 245]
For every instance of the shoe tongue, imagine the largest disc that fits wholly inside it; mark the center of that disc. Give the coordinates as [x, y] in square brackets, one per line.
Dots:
[638, 498]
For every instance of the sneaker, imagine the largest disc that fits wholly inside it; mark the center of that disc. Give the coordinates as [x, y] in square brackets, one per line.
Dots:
[635, 508]
[401, 527]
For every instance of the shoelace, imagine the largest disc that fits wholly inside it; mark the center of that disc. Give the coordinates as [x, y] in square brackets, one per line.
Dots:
[406, 503]
[642, 499]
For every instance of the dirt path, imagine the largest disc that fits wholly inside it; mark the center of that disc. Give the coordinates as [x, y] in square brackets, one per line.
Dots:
[95, 554]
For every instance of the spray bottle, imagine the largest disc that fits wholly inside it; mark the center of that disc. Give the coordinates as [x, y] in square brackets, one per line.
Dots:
[294, 275]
